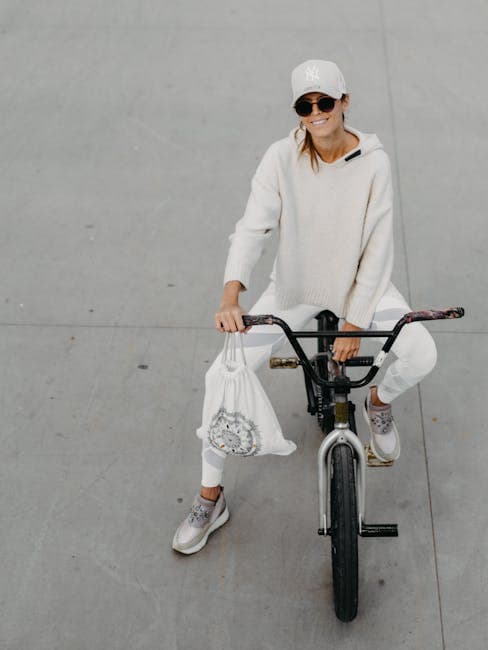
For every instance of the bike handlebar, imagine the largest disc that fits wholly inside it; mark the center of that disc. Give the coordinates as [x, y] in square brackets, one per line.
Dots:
[374, 362]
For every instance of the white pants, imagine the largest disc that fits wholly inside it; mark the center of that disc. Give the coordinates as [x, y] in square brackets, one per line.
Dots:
[414, 348]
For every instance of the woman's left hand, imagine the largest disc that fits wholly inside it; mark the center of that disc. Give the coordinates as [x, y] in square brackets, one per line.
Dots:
[346, 347]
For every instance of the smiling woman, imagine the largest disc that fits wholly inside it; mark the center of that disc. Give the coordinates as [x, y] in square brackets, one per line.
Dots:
[322, 118]
[327, 188]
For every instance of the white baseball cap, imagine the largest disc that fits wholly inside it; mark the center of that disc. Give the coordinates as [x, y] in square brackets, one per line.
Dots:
[316, 75]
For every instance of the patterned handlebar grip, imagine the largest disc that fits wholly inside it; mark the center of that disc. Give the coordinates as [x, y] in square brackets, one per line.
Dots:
[259, 319]
[433, 314]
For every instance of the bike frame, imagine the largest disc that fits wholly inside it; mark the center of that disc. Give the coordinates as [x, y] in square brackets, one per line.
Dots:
[342, 384]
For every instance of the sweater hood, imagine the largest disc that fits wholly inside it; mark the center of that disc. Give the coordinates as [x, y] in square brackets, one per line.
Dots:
[368, 142]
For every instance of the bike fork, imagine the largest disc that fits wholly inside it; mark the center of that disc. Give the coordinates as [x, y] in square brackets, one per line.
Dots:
[342, 435]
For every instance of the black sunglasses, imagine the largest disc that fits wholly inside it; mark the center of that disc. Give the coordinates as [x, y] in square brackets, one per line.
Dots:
[304, 107]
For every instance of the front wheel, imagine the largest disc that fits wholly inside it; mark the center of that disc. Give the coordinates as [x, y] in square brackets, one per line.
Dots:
[344, 533]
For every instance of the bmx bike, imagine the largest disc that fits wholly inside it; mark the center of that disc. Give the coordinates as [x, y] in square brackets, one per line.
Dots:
[342, 458]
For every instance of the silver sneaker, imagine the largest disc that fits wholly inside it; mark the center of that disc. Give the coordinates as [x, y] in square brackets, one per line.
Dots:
[204, 517]
[380, 423]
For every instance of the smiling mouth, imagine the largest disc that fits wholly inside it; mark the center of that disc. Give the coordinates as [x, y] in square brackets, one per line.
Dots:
[317, 122]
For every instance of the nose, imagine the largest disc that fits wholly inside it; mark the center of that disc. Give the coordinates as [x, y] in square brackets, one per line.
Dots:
[316, 110]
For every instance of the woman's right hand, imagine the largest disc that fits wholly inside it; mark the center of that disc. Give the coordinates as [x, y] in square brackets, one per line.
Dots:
[228, 318]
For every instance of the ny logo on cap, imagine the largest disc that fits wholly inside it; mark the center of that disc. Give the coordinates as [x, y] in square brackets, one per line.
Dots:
[312, 73]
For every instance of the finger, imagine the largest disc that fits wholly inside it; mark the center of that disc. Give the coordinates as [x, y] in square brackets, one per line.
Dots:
[232, 324]
[240, 323]
[226, 322]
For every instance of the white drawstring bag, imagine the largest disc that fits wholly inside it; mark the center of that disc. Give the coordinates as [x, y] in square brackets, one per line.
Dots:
[238, 418]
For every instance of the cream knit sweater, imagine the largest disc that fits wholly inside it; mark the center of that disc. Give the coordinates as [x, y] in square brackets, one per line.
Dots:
[335, 227]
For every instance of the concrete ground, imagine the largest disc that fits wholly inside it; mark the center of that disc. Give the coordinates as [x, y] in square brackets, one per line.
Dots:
[130, 131]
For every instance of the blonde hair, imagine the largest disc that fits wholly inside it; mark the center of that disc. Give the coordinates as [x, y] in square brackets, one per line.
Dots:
[308, 145]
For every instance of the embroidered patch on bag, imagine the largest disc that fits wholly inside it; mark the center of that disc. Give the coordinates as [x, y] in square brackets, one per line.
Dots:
[233, 433]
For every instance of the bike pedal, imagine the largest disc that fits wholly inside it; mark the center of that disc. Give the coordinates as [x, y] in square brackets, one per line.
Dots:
[283, 362]
[374, 461]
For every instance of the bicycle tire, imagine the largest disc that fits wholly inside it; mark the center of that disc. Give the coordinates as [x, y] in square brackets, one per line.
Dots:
[344, 533]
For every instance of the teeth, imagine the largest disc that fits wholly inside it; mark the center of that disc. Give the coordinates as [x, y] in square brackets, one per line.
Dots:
[319, 121]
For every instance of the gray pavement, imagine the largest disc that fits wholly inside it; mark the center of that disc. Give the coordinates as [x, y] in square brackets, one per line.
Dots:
[130, 132]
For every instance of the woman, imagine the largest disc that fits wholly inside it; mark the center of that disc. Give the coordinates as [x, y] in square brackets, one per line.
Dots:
[327, 187]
